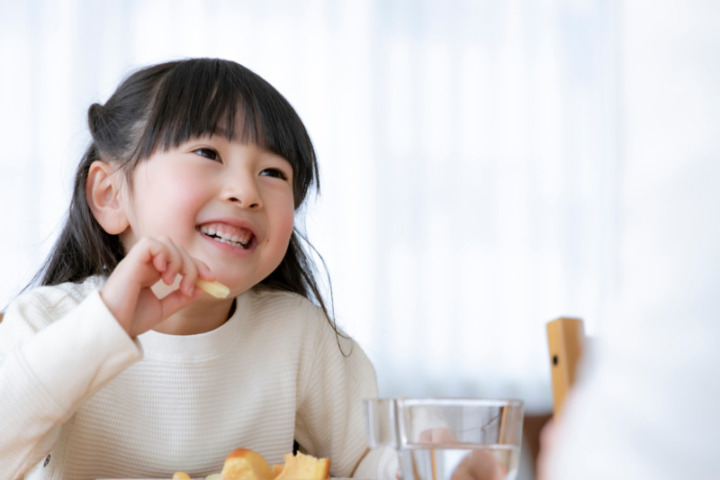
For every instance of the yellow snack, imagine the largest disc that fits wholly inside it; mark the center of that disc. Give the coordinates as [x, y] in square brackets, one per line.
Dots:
[304, 467]
[244, 464]
[276, 469]
[181, 476]
[216, 289]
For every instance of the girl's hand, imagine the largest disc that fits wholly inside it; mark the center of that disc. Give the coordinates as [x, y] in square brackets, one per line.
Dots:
[128, 295]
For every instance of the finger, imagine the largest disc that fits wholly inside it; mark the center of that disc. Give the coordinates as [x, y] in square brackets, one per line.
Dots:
[176, 301]
[174, 259]
[204, 271]
[189, 272]
[142, 267]
[152, 252]
[159, 260]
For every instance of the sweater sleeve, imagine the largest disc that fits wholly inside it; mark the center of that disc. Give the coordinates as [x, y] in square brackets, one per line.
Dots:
[335, 377]
[48, 368]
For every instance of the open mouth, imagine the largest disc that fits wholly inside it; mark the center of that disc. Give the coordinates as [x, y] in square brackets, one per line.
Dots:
[234, 236]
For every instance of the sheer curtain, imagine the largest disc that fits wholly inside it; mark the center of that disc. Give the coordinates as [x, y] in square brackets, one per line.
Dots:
[468, 152]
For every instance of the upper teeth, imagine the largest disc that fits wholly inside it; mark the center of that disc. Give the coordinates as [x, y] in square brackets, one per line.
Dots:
[222, 236]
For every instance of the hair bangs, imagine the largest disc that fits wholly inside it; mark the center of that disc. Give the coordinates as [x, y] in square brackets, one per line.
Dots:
[213, 97]
[197, 99]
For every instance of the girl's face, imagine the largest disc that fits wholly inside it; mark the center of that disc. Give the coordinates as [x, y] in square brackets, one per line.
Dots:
[226, 203]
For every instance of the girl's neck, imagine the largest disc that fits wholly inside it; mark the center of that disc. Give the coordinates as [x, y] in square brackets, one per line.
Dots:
[200, 317]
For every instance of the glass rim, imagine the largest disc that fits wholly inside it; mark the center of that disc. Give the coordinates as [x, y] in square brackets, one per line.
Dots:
[449, 401]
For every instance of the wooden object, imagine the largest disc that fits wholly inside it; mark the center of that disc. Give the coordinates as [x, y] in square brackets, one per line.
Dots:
[566, 338]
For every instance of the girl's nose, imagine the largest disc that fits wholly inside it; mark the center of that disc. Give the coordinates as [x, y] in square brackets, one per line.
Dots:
[243, 194]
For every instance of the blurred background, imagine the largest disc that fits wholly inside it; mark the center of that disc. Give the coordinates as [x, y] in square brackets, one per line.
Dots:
[471, 156]
[468, 154]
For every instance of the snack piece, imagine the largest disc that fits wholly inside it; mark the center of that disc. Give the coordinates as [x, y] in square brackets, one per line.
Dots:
[304, 467]
[181, 476]
[276, 469]
[215, 288]
[244, 464]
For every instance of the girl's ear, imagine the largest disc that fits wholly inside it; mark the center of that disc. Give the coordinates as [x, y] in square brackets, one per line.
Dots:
[104, 190]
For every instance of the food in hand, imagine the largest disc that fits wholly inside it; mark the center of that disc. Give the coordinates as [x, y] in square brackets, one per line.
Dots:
[245, 464]
[216, 289]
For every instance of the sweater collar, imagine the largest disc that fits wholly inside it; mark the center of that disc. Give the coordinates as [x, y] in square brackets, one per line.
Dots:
[201, 346]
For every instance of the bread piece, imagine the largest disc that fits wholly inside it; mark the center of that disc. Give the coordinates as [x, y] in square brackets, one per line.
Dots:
[276, 469]
[304, 467]
[244, 464]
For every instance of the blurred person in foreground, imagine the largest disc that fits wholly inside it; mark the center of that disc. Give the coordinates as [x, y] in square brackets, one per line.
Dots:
[645, 406]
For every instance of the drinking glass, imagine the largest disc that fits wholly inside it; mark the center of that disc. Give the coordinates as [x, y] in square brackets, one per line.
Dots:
[449, 438]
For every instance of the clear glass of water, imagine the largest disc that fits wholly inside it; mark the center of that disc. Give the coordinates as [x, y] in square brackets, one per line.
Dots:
[449, 438]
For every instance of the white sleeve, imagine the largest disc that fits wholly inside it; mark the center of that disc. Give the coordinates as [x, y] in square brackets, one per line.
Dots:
[46, 374]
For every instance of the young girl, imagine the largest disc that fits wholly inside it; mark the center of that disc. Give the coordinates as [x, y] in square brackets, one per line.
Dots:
[194, 172]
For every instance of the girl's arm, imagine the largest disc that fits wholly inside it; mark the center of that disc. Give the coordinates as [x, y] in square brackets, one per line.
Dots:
[58, 346]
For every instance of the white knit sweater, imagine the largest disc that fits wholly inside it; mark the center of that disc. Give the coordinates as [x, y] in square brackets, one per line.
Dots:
[80, 400]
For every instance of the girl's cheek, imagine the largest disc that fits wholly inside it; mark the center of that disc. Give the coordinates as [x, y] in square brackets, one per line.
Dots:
[289, 223]
[190, 194]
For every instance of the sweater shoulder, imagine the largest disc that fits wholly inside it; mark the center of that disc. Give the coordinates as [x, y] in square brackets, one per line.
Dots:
[300, 318]
[265, 302]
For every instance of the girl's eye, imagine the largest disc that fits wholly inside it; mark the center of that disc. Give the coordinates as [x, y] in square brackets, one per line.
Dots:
[274, 172]
[208, 153]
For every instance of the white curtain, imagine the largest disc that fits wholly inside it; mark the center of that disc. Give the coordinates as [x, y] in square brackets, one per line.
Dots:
[469, 155]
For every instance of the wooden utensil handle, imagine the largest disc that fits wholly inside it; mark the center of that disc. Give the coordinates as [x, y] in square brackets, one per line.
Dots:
[566, 338]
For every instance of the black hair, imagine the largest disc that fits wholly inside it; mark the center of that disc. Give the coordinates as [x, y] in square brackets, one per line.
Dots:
[160, 107]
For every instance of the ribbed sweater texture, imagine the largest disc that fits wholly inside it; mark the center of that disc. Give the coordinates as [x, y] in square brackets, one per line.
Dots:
[79, 399]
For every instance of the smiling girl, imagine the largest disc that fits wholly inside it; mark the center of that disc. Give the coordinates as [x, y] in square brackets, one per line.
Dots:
[117, 365]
